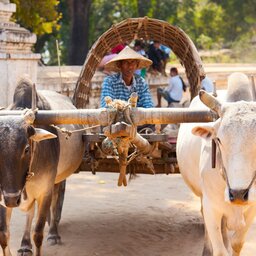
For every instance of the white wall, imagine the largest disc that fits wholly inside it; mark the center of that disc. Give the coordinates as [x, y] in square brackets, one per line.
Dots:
[11, 69]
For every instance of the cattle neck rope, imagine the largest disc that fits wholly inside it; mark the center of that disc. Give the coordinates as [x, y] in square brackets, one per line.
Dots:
[30, 173]
[69, 132]
[224, 175]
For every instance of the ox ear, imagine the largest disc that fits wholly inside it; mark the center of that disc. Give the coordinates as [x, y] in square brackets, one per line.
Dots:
[42, 134]
[206, 132]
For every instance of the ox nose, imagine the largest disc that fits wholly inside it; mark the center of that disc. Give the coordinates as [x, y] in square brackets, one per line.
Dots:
[12, 200]
[238, 195]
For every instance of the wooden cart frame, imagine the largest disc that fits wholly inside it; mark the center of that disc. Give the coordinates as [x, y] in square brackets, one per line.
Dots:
[121, 33]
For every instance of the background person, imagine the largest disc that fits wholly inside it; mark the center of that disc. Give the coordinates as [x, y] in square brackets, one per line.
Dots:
[166, 57]
[118, 48]
[207, 84]
[139, 48]
[121, 84]
[174, 91]
[156, 55]
[105, 59]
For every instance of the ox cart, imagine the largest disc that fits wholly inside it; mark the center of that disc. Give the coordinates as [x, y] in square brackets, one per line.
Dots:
[162, 156]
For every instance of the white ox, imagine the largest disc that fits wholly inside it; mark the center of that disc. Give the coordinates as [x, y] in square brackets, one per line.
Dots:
[228, 191]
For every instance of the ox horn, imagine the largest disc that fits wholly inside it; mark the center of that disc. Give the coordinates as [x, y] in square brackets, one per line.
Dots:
[29, 114]
[210, 101]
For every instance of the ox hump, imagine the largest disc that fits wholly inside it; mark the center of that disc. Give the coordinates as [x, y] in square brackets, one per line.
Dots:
[239, 88]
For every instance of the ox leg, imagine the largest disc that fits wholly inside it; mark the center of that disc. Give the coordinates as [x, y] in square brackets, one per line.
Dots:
[56, 209]
[44, 204]
[207, 251]
[224, 232]
[213, 221]
[5, 216]
[207, 243]
[238, 237]
[26, 245]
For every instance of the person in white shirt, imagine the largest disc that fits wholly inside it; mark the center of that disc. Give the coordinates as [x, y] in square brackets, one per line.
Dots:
[207, 84]
[174, 91]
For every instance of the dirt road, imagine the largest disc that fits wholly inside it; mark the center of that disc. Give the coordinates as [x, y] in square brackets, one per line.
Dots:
[153, 216]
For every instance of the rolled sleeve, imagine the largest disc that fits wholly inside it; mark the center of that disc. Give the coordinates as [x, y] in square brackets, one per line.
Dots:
[106, 90]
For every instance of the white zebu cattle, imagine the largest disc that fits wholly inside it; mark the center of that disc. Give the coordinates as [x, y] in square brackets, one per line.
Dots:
[228, 192]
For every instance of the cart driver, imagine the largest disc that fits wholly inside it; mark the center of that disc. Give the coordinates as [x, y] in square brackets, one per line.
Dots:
[120, 85]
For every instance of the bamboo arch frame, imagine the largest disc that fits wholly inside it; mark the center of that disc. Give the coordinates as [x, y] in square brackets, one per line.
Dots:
[140, 28]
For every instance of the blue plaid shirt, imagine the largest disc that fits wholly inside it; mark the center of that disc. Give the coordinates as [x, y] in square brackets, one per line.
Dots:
[114, 87]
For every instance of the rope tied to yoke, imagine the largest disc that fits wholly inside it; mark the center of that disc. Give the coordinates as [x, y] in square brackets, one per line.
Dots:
[70, 132]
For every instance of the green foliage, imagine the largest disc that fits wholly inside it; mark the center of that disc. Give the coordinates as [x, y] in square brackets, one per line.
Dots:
[243, 49]
[145, 8]
[64, 33]
[211, 24]
[105, 13]
[204, 42]
[203, 21]
[186, 17]
[239, 18]
[166, 10]
[39, 16]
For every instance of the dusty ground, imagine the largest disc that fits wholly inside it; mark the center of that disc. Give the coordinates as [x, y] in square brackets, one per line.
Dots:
[153, 216]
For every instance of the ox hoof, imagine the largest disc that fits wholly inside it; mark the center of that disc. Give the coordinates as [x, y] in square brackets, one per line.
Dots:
[25, 252]
[53, 239]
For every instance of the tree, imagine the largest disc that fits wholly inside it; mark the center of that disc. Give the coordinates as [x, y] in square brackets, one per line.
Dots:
[77, 24]
[79, 35]
[40, 17]
[166, 10]
[202, 20]
[144, 8]
[239, 17]
[106, 13]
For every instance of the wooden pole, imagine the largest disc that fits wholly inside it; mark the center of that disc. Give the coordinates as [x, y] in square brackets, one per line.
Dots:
[102, 116]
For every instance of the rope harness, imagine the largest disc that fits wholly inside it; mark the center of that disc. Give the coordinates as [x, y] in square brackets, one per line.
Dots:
[222, 167]
[69, 132]
[30, 173]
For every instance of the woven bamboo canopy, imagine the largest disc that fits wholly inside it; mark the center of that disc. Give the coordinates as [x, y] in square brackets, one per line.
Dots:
[147, 29]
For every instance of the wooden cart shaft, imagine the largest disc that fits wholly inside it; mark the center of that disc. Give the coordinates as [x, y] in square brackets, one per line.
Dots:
[139, 116]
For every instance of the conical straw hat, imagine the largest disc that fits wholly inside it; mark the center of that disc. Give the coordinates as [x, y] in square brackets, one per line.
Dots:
[127, 54]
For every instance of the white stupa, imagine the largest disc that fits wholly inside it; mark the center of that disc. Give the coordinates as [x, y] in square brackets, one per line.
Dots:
[16, 56]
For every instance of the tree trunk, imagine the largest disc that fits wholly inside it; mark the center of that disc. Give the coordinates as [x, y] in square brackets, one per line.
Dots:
[79, 13]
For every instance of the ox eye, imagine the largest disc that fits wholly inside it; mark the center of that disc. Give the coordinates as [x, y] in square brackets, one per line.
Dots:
[26, 150]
